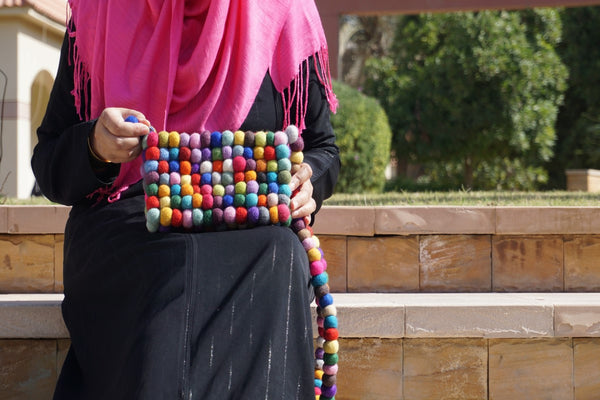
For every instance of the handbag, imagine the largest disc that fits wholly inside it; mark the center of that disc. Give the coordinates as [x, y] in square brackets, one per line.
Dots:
[215, 181]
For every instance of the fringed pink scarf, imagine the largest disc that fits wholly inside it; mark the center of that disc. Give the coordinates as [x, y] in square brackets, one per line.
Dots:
[193, 65]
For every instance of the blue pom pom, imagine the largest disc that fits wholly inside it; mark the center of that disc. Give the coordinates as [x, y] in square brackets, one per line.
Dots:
[318, 383]
[237, 151]
[271, 177]
[320, 279]
[282, 151]
[251, 200]
[325, 301]
[174, 166]
[186, 202]
[285, 189]
[273, 188]
[150, 165]
[197, 217]
[330, 322]
[175, 190]
[227, 200]
[215, 139]
[132, 119]
[173, 154]
[253, 215]
[206, 178]
[164, 154]
[248, 152]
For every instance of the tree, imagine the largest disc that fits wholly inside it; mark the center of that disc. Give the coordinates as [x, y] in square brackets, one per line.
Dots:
[578, 125]
[473, 97]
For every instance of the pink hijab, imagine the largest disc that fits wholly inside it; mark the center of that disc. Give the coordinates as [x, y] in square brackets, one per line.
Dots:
[191, 65]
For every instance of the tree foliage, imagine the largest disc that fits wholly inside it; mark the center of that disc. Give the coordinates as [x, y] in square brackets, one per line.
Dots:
[364, 136]
[578, 125]
[473, 97]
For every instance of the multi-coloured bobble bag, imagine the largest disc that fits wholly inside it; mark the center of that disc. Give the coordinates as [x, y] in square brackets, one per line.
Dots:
[213, 181]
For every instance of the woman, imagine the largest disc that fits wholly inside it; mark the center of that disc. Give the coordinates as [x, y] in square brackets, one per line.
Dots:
[208, 315]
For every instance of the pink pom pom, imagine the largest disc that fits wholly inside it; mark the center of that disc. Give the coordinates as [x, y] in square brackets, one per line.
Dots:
[330, 369]
[284, 212]
[317, 267]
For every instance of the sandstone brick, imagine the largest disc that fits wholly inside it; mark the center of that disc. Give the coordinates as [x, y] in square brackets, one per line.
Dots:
[582, 264]
[27, 369]
[450, 263]
[335, 249]
[383, 264]
[37, 219]
[587, 368]
[3, 219]
[372, 369]
[59, 241]
[352, 221]
[26, 263]
[547, 220]
[527, 263]
[530, 369]
[445, 369]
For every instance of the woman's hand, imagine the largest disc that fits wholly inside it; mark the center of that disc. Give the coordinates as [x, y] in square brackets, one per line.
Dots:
[115, 140]
[302, 204]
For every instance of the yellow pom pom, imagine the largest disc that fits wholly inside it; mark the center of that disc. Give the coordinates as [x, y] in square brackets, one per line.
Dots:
[164, 191]
[316, 241]
[218, 190]
[187, 190]
[319, 374]
[240, 188]
[259, 153]
[250, 176]
[260, 139]
[272, 166]
[173, 139]
[273, 212]
[186, 180]
[314, 254]
[163, 138]
[165, 202]
[238, 138]
[165, 216]
[196, 200]
[331, 347]
[297, 157]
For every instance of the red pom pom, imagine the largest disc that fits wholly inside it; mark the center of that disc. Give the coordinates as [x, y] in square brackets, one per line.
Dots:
[331, 334]
[177, 218]
[321, 332]
[152, 153]
[239, 177]
[218, 166]
[185, 168]
[317, 391]
[284, 212]
[185, 154]
[196, 178]
[206, 189]
[163, 167]
[196, 188]
[240, 215]
[239, 164]
[207, 201]
[152, 139]
[270, 153]
[152, 202]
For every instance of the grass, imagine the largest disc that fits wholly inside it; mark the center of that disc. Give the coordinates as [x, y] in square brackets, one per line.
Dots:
[468, 198]
[457, 198]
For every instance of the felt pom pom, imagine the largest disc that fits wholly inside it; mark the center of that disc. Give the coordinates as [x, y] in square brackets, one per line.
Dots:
[318, 383]
[238, 138]
[239, 200]
[196, 179]
[284, 212]
[153, 219]
[320, 279]
[239, 164]
[217, 216]
[229, 215]
[330, 359]
[253, 215]
[261, 166]
[174, 154]
[163, 139]
[320, 342]
[325, 301]
[152, 189]
[197, 216]
[319, 363]
[174, 166]
[328, 391]
[163, 154]
[260, 139]
[197, 200]
[173, 139]
[217, 166]
[331, 334]
[207, 202]
[206, 154]
[251, 166]
[218, 190]
[273, 212]
[215, 139]
[270, 138]
[329, 310]
[240, 188]
[185, 154]
[252, 186]
[206, 189]
[240, 215]
[227, 138]
[331, 346]
[206, 179]
[237, 151]
[308, 244]
[227, 200]
[321, 291]
[292, 132]
[150, 166]
[330, 369]
[185, 168]
[196, 156]
[272, 200]
[187, 190]
[184, 141]
[152, 202]
[216, 154]
[272, 166]
[239, 177]
[164, 191]
[175, 201]
[176, 218]
[259, 153]
[262, 200]
[216, 178]
[249, 139]
[205, 167]
[248, 153]
[297, 157]
[195, 140]
[282, 151]
[280, 139]
[284, 165]
[165, 216]
[319, 373]
[217, 202]
[205, 139]
[152, 153]
[269, 153]
[152, 139]
[330, 322]
[151, 177]
[188, 221]
[272, 181]
[207, 220]
[314, 254]
[174, 178]
[251, 200]
[298, 145]
[227, 152]
[186, 203]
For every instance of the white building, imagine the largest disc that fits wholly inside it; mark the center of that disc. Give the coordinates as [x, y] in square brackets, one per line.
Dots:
[31, 34]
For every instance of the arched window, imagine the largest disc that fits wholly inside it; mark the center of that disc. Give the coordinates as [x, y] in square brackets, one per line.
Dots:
[40, 94]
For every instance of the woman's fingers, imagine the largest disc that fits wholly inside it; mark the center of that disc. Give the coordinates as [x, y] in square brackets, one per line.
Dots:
[116, 140]
[302, 204]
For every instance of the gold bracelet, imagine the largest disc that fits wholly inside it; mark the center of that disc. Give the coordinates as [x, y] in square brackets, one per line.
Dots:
[96, 156]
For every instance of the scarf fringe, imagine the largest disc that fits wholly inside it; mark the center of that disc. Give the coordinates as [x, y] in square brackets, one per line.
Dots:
[81, 76]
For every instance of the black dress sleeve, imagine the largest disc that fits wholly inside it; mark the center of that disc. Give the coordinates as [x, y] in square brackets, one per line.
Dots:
[61, 162]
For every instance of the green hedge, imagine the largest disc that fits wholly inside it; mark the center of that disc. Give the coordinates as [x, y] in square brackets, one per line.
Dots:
[364, 137]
